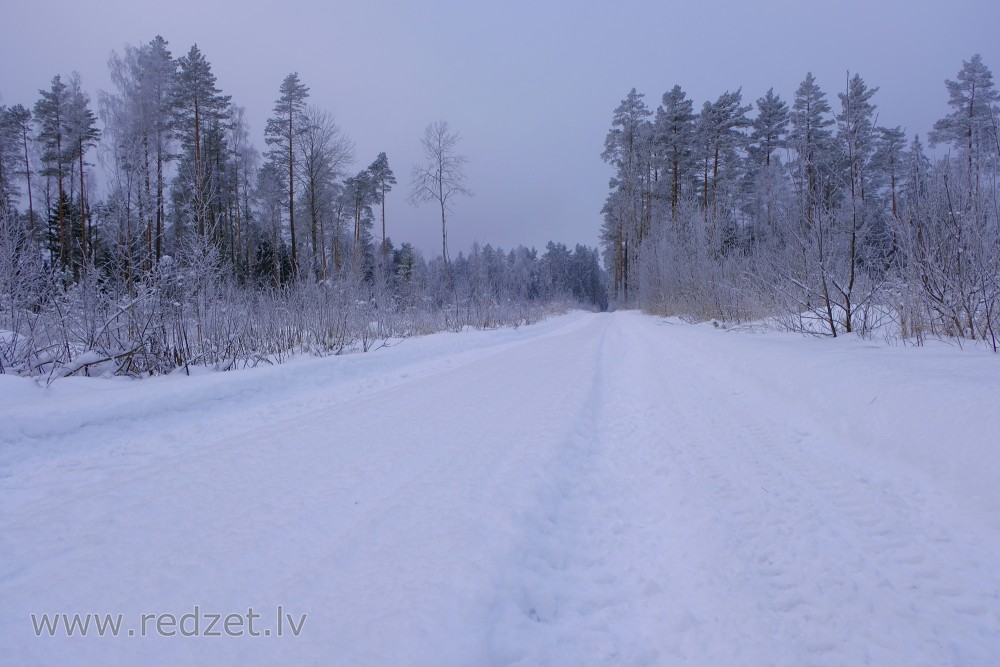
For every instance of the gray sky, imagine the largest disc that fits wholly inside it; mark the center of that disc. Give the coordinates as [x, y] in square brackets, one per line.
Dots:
[530, 85]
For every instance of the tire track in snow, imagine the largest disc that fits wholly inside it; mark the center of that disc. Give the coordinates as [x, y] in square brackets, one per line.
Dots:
[382, 512]
[683, 523]
[850, 571]
[596, 580]
[565, 596]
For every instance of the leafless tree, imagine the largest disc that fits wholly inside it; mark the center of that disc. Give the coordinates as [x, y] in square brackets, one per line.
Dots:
[442, 178]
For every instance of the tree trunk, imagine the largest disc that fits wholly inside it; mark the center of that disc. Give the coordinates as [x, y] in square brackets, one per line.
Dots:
[444, 229]
[159, 196]
[27, 176]
[384, 248]
[83, 213]
[145, 200]
[61, 214]
[314, 230]
[291, 193]
[199, 218]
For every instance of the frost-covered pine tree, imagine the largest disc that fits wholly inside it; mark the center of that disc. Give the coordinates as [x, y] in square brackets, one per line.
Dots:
[50, 113]
[383, 180]
[856, 131]
[359, 195]
[17, 122]
[8, 159]
[764, 174]
[674, 139]
[972, 125]
[198, 106]
[812, 139]
[626, 148]
[769, 128]
[82, 135]
[720, 138]
[862, 247]
[890, 145]
[159, 76]
[281, 134]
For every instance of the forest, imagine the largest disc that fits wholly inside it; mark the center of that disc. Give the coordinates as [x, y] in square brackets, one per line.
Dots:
[808, 213]
[146, 232]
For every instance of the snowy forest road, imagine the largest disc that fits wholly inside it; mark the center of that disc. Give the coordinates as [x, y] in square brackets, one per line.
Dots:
[608, 489]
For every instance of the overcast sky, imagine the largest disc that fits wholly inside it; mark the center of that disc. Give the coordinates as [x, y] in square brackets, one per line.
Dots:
[529, 84]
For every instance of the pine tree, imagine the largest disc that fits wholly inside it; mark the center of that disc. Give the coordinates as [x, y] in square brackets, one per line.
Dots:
[160, 76]
[811, 138]
[197, 106]
[626, 148]
[971, 127]
[857, 131]
[282, 132]
[50, 115]
[18, 122]
[857, 136]
[674, 137]
[720, 137]
[65, 223]
[769, 128]
[359, 193]
[82, 135]
[917, 168]
[763, 174]
[383, 180]
[889, 155]
[8, 158]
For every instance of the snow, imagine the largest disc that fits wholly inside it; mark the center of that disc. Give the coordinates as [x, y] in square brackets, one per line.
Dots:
[608, 489]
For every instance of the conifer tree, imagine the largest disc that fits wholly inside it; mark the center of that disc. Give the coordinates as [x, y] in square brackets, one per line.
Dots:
[889, 156]
[51, 116]
[359, 193]
[283, 130]
[160, 75]
[857, 131]
[720, 137]
[625, 147]
[18, 121]
[383, 179]
[858, 141]
[674, 137]
[769, 128]
[811, 138]
[971, 127]
[82, 135]
[197, 106]
[8, 158]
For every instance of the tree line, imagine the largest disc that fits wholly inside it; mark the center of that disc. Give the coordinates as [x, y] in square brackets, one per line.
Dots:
[196, 247]
[809, 213]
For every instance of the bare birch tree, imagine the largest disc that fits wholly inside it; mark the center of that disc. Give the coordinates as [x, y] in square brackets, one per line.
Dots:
[442, 178]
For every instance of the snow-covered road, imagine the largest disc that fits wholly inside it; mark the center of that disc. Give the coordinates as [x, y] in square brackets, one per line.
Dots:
[606, 489]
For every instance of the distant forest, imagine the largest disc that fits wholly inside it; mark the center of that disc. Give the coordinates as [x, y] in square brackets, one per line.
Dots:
[809, 213]
[198, 248]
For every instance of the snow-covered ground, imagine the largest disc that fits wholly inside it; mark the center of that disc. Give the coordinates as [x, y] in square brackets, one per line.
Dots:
[608, 489]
